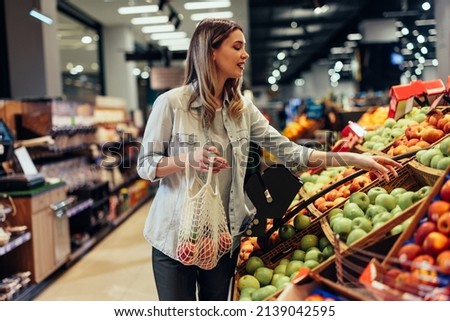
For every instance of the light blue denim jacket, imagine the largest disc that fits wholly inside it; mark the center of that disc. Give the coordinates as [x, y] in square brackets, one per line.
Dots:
[171, 130]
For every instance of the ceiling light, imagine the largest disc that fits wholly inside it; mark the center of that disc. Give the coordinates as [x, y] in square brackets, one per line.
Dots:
[138, 9]
[178, 47]
[173, 42]
[149, 20]
[217, 15]
[206, 5]
[426, 6]
[354, 36]
[425, 22]
[168, 35]
[40, 16]
[158, 28]
[86, 39]
[281, 55]
[424, 50]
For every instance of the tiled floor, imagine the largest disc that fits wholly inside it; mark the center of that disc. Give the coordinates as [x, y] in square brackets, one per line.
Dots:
[117, 269]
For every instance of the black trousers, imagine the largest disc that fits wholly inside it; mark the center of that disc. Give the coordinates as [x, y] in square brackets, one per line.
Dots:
[178, 282]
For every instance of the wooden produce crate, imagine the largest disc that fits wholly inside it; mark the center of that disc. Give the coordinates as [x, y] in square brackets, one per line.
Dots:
[283, 250]
[421, 275]
[408, 178]
[343, 274]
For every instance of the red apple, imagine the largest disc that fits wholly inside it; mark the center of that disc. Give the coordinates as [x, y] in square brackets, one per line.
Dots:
[414, 131]
[407, 253]
[445, 191]
[443, 261]
[443, 223]
[423, 230]
[435, 243]
[185, 252]
[431, 135]
[358, 183]
[437, 208]
[422, 261]
[224, 242]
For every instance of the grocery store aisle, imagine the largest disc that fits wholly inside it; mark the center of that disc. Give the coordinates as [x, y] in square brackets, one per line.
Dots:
[117, 269]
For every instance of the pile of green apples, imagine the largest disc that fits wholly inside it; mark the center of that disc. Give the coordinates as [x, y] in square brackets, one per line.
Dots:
[379, 138]
[364, 212]
[260, 282]
[314, 182]
[437, 157]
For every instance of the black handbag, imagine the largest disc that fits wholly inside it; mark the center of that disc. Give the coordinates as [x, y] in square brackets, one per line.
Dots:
[271, 192]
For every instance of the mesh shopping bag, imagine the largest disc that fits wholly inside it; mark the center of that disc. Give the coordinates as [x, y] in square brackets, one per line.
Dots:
[203, 237]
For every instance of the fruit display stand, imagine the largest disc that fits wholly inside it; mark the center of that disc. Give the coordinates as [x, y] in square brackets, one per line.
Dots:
[408, 179]
[343, 274]
[283, 254]
[417, 266]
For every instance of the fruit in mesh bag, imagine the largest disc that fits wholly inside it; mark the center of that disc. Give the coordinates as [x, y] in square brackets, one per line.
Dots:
[185, 252]
[206, 249]
[224, 242]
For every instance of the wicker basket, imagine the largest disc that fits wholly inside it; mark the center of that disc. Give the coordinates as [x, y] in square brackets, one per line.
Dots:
[430, 175]
[273, 256]
[408, 178]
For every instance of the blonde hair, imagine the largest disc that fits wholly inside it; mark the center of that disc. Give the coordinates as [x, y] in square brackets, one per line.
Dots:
[201, 70]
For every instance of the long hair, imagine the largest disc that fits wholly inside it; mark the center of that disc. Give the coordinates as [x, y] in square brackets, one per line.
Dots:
[201, 70]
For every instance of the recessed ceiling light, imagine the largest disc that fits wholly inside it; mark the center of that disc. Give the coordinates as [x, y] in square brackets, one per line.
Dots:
[149, 20]
[138, 9]
[158, 28]
[217, 15]
[168, 35]
[206, 5]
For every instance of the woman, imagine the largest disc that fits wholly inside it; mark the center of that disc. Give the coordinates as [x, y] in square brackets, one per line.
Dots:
[208, 115]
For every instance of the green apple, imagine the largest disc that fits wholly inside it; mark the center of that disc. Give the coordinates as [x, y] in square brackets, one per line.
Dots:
[333, 212]
[286, 231]
[420, 117]
[248, 281]
[279, 269]
[305, 177]
[398, 191]
[396, 229]
[444, 146]
[374, 210]
[435, 160]
[337, 215]
[246, 292]
[311, 264]
[382, 217]
[426, 157]
[443, 163]
[253, 263]
[293, 267]
[361, 199]
[342, 226]
[328, 251]
[397, 210]
[281, 282]
[308, 240]
[419, 155]
[405, 199]
[298, 255]
[387, 201]
[362, 223]
[263, 293]
[264, 275]
[315, 255]
[389, 122]
[374, 192]
[355, 235]
[352, 210]
[301, 222]
[422, 192]
[323, 242]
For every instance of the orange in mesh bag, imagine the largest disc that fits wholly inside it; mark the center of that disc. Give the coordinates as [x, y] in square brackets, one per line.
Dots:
[203, 237]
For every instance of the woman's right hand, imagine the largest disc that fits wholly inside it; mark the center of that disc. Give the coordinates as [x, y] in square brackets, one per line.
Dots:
[202, 160]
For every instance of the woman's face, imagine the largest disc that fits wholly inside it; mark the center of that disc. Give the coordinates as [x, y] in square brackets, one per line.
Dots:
[231, 56]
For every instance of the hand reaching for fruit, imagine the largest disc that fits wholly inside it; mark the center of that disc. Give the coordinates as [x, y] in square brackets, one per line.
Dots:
[379, 166]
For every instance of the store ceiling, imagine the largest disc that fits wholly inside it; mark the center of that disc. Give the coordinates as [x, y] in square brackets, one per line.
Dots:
[291, 27]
